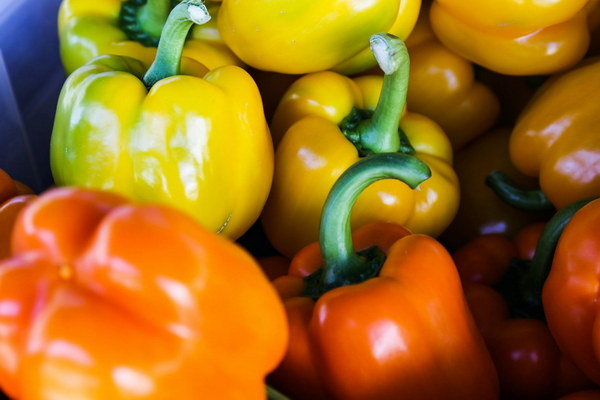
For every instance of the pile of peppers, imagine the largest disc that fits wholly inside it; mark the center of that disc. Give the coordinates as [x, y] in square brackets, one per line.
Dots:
[285, 200]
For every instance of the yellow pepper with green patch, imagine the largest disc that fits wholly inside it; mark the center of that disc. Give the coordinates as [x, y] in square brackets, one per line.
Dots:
[198, 142]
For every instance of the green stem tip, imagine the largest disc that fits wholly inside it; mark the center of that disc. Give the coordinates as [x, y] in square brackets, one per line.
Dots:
[379, 133]
[170, 47]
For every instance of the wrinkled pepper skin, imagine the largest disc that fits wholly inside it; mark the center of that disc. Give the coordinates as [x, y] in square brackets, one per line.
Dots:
[514, 37]
[571, 290]
[313, 152]
[105, 299]
[198, 141]
[442, 86]
[556, 137]
[88, 29]
[294, 37]
[406, 333]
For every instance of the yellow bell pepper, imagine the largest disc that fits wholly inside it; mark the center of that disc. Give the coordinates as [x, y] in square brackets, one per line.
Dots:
[442, 86]
[556, 137]
[325, 123]
[198, 142]
[298, 37]
[132, 28]
[514, 37]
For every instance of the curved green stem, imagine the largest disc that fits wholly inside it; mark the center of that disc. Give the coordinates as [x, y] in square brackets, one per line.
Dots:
[153, 15]
[507, 190]
[535, 277]
[170, 47]
[379, 134]
[273, 394]
[341, 264]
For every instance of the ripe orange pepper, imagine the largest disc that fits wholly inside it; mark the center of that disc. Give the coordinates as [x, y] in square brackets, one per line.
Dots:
[387, 322]
[104, 299]
[528, 360]
[442, 86]
[570, 291]
[515, 37]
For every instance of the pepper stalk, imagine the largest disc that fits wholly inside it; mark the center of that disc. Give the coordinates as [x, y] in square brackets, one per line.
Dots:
[341, 264]
[170, 47]
[378, 132]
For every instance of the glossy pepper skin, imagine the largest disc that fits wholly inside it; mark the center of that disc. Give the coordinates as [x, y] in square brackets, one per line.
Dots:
[197, 141]
[88, 29]
[294, 37]
[514, 37]
[571, 289]
[556, 137]
[387, 323]
[113, 300]
[442, 86]
[528, 361]
[313, 150]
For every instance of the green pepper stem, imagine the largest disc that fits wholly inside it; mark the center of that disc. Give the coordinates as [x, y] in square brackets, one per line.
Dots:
[379, 134]
[273, 394]
[535, 277]
[340, 262]
[152, 16]
[507, 190]
[168, 55]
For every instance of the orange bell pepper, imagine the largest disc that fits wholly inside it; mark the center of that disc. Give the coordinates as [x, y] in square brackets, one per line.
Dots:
[570, 291]
[103, 299]
[387, 322]
[528, 360]
[442, 86]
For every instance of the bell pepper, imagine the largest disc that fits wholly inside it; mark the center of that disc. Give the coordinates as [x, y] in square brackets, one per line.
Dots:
[386, 321]
[527, 358]
[331, 126]
[555, 138]
[570, 290]
[132, 28]
[514, 37]
[197, 141]
[442, 86]
[105, 299]
[299, 37]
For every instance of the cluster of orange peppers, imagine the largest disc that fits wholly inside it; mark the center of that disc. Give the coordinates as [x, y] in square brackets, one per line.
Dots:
[393, 199]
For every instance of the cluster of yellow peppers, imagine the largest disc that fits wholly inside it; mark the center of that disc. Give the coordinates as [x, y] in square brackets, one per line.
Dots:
[161, 128]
